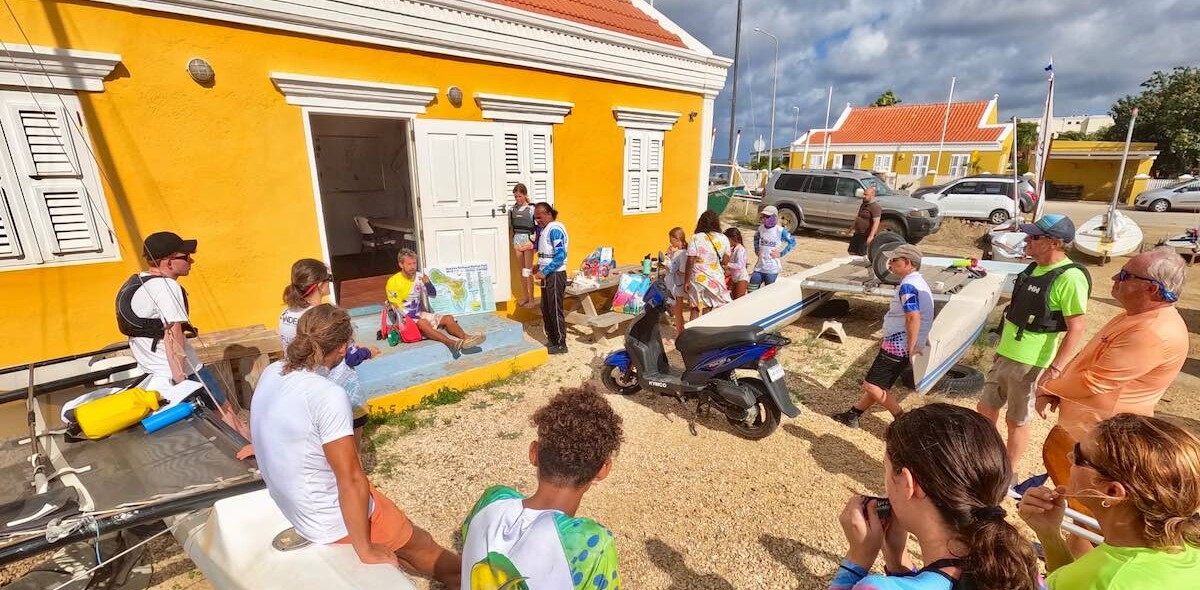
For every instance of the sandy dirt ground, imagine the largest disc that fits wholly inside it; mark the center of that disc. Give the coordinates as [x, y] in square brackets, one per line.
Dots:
[692, 505]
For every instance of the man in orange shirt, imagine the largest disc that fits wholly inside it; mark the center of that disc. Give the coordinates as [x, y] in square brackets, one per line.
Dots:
[1127, 365]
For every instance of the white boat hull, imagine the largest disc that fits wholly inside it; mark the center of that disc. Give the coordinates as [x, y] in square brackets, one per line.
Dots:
[231, 545]
[1091, 237]
[955, 327]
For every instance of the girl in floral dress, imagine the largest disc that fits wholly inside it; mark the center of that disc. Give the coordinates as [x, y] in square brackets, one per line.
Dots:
[708, 253]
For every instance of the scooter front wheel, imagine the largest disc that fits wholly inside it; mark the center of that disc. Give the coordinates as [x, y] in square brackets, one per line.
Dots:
[624, 382]
[768, 416]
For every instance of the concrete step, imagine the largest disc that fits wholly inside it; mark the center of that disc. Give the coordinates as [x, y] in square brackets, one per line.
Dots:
[405, 373]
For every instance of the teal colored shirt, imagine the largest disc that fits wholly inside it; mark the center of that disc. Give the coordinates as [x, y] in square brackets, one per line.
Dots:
[1125, 568]
[1068, 294]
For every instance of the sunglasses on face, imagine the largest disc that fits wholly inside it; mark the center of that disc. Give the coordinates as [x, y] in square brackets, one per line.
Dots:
[1040, 237]
[1124, 275]
[1080, 460]
[187, 257]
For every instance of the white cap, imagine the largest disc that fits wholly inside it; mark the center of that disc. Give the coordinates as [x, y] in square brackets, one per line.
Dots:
[769, 210]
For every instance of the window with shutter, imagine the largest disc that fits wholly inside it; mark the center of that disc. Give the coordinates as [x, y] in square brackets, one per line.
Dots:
[529, 160]
[643, 171]
[53, 210]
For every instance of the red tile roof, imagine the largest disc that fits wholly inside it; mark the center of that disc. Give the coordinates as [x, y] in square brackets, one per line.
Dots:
[615, 15]
[913, 123]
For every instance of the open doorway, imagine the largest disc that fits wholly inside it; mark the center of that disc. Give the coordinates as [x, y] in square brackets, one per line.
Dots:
[365, 178]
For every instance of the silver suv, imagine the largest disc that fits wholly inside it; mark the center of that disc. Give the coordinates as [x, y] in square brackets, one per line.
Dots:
[827, 200]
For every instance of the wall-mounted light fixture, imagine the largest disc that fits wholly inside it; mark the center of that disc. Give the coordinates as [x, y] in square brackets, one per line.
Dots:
[201, 71]
[692, 116]
[455, 94]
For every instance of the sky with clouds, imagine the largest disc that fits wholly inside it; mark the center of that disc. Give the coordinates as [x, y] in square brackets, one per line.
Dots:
[1102, 51]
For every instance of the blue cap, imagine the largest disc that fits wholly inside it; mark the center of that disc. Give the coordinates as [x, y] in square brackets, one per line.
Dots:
[1053, 225]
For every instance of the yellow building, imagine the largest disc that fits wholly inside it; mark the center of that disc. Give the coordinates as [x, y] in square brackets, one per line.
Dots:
[1088, 170]
[912, 145]
[263, 128]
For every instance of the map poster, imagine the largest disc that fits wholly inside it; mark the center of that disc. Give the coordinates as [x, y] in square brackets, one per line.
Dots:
[462, 289]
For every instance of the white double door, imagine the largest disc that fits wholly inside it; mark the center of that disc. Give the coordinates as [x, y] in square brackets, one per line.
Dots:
[462, 197]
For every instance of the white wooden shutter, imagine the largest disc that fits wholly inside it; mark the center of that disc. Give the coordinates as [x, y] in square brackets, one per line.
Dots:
[653, 172]
[635, 148]
[10, 244]
[56, 179]
[529, 159]
[47, 141]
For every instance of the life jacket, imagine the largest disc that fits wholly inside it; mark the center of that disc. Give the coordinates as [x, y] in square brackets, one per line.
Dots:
[545, 249]
[1029, 308]
[521, 219]
[135, 326]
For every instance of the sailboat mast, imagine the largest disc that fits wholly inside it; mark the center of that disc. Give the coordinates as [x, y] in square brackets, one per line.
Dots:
[1112, 207]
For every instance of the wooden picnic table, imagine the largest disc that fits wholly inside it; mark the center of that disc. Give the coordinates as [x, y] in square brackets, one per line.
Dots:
[580, 304]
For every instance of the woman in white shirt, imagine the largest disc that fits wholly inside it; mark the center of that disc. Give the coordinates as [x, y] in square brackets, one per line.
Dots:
[304, 443]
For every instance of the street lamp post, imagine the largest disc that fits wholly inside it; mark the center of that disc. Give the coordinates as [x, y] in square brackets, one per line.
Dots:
[774, 83]
[796, 125]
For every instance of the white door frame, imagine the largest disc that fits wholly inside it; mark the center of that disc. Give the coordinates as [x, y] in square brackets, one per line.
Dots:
[306, 113]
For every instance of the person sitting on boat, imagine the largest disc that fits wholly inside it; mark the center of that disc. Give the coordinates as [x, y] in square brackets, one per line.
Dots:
[406, 291]
[1042, 328]
[1140, 477]
[771, 243]
[304, 437]
[309, 285]
[539, 539]
[153, 311]
[1128, 365]
[905, 334]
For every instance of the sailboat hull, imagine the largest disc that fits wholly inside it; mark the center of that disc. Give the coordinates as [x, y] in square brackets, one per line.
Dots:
[1091, 238]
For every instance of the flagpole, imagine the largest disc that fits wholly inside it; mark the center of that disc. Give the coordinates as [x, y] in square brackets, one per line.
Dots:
[1016, 216]
[945, 123]
[828, 107]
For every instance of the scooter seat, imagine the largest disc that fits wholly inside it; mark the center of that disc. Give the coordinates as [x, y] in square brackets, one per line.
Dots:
[699, 339]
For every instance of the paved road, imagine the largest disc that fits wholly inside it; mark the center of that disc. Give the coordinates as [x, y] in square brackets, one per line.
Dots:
[1152, 224]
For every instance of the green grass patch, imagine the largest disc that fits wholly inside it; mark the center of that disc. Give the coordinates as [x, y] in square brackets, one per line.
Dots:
[509, 435]
[384, 425]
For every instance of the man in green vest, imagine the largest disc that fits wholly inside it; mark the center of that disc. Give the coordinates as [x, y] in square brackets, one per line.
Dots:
[1043, 328]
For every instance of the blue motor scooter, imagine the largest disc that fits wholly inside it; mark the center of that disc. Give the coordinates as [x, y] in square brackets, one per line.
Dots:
[752, 405]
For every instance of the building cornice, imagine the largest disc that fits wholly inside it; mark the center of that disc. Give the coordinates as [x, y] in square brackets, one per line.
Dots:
[472, 29]
[520, 109]
[51, 68]
[315, 91]
[632, 118]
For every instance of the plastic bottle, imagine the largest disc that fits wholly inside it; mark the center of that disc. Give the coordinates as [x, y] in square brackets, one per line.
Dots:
[168, 416]
[102, 417]
[646, 265]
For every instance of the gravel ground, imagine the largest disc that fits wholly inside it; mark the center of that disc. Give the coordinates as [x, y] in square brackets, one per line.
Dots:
[697, 508]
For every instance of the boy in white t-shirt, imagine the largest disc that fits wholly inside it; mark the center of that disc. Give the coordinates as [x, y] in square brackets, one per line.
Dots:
[537, 542]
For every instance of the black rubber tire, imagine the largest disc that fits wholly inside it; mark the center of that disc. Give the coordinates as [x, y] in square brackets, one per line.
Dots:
[789, 219]
[999, 216]
[880, 241]
[879, 265]
[890, 225]
[1159, 206]
[1026, 204]
[768, 412]
[960, 380]
[619, 384]
[834, 308]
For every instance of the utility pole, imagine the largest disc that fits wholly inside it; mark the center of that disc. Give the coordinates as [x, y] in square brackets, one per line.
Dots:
[737, 45]
[774, 84]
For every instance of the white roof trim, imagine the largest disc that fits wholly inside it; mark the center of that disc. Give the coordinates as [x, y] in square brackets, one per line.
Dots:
[472, 29]
[64, 69]
[522, 109]
[1085, 155]
[904, 147]
[315, 91]
[632, 118]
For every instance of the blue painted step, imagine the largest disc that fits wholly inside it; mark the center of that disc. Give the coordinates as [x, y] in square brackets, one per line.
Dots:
[407, 365]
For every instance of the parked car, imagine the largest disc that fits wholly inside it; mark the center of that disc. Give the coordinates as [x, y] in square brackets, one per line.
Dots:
[984, 197]
[827, 200]
[1184, 195]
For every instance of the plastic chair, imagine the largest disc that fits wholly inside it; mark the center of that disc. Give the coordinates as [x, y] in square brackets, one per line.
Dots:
[370, 238]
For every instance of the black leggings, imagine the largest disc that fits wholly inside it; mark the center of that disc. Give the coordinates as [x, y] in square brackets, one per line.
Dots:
[554, 287]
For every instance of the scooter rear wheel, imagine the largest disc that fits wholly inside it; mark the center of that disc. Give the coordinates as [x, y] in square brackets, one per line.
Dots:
[768, 413]
[618, 381]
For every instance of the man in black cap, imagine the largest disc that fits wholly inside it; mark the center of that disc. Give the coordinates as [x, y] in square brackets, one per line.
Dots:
[152, 310]
[1042, 329]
